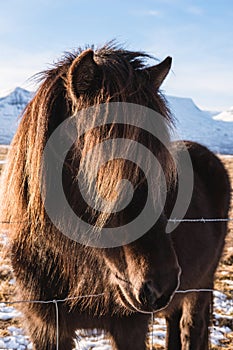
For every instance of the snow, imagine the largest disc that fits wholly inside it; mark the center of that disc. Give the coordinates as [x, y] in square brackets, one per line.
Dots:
[226, 116]
[158, 333]
[8, 313]
[222, 303]
[16, 341]
[95, 341]
[213, 129]
[217, 334]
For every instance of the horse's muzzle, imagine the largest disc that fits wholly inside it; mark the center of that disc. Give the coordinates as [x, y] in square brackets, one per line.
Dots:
[152, 297]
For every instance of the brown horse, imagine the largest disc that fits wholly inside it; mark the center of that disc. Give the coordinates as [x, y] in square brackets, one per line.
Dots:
[124, 283]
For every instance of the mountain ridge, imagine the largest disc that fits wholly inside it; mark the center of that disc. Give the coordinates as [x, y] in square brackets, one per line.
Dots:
[213, 129]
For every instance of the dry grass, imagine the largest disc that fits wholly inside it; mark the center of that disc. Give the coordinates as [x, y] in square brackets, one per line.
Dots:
[3, 152]
[223, 276]
[224, 272]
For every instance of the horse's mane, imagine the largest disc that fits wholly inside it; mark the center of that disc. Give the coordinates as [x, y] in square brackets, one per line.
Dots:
[122, 78]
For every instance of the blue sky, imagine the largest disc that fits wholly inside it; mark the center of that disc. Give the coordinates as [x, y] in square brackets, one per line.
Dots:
[197, 34]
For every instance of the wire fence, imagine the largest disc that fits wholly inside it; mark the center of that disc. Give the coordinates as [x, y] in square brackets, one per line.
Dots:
[56, 302]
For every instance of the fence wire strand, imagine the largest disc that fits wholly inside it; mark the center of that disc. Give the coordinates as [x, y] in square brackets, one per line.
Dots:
[203, 220]
[174, 220]
[57, 324]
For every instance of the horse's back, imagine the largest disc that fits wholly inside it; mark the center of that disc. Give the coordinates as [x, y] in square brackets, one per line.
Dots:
[210, 170]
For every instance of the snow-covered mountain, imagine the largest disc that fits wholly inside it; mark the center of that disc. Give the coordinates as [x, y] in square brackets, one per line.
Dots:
[212, 129]
[11, 107]
[201, 126]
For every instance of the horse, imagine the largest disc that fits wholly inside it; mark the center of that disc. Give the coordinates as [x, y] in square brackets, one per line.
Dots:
[112, 288]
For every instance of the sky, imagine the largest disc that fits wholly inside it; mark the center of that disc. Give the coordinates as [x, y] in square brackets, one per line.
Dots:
[197, 34]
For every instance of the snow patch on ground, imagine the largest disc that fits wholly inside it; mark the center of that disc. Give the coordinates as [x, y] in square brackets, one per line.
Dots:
[8, 312]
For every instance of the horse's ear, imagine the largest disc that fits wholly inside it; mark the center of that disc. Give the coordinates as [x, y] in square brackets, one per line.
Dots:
[81, 73]
[159, 72]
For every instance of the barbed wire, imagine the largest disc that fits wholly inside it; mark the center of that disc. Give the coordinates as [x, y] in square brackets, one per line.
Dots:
[174, 220]
[203, 220]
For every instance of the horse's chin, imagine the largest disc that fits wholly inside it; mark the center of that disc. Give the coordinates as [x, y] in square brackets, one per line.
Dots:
[131, 304]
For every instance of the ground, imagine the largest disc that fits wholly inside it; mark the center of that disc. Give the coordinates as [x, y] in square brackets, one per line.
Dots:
[11, 334]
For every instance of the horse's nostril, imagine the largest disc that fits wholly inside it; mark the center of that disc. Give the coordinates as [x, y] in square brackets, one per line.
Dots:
[152, 296]
[148, 294]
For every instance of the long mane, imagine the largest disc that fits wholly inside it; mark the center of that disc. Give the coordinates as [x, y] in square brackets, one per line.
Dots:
[122, 79]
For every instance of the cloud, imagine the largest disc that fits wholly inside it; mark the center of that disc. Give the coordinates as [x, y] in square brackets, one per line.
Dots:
[151, 13]
[195, 10]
